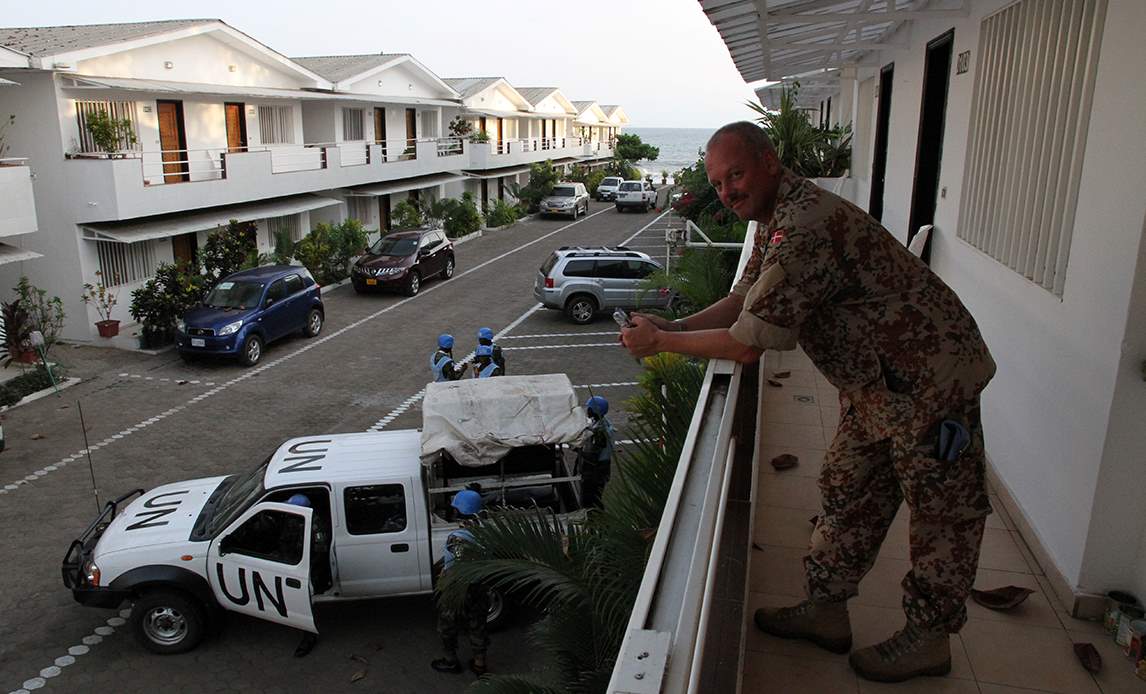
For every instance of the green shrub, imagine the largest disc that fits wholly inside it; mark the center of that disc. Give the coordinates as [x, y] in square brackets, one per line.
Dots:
[29, 382]
[164, 298]
[229, 249]
[462, 217]
[326, 251]
[542, 178]
[110, 135]
[407, 215]
[46, 315]
[502, 213]
[801, 146]
[590, 177]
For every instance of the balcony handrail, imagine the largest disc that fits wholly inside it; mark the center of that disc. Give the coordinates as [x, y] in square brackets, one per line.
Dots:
[663, 646]
[14, 161]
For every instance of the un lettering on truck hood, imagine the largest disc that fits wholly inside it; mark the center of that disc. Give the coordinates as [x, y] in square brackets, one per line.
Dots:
[161, 516]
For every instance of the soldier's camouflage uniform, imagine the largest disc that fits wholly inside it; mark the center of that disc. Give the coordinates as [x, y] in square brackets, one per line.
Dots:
[475, 611]
[905, 355]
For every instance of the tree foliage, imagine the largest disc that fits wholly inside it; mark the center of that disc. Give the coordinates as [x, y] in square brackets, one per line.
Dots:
[407, 215]
[110, 135]
[326, 251]
[631, 148]
[542, 178]
[228, 249]
[801, 146]
[46, 314]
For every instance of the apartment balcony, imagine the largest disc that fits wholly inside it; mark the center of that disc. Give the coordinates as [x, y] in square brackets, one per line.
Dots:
[137, 184]
[733, 537]
[17, 202]
[495, 155]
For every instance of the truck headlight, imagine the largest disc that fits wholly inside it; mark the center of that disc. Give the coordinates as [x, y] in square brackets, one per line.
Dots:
[231, 328]
[91, 573]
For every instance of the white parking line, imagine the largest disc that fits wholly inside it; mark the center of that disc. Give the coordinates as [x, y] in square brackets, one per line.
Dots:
[176, 381]
[522, 337]
[609, 385]
[587, 344]
[62, 462]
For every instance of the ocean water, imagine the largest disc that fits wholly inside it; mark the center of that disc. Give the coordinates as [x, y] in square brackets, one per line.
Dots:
[678, 148]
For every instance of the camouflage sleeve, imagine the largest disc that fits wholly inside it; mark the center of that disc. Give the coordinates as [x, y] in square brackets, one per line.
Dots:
[752, 267]
[797, 278]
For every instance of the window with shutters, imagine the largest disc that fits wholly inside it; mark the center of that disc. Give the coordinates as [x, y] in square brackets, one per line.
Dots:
[1034, 85]
[291, 224]
[125, 263]
[119, 110]
[352, 128]
[276, 125]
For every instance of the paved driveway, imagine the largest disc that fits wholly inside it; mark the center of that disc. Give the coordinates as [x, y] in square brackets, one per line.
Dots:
[152, 420]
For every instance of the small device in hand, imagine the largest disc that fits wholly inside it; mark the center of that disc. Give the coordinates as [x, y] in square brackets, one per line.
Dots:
[622, 318]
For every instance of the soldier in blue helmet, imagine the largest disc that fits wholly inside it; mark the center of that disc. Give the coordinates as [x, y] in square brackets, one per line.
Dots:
[475, 613]
[485, 337]
[595, 457]
[484, 364]
[442, 361]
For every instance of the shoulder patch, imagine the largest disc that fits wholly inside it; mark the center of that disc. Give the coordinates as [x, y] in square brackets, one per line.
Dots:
[777, 237]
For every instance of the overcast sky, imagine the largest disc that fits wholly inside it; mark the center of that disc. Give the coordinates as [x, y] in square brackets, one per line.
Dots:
[660, 59]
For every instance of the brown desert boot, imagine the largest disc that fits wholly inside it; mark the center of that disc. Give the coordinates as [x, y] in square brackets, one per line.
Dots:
[910, 653]
[825, 624]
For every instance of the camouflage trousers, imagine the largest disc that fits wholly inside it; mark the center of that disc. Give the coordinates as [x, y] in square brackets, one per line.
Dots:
[865, 479]
[472, 618]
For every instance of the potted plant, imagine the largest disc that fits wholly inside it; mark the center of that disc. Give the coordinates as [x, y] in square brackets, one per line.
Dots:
[110, 135]
[104, 300]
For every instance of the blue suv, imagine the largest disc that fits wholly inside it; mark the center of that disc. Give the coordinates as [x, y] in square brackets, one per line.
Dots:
[249, 309]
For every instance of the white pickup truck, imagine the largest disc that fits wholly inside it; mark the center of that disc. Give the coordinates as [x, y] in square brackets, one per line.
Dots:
[636, 194]
[378, 519]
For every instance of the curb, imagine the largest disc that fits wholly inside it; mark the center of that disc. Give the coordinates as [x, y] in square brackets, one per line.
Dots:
[468, 237]
[331, 287]
[30, 397]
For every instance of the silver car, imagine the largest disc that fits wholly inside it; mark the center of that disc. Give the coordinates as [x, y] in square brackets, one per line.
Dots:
[583, 281]
[567, 198]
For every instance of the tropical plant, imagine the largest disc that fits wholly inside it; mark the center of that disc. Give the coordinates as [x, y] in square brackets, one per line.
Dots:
[542, 178]
[46, 315]
[584, 577]
[110, 135]
[100, 296]
[623, 168]
[17, 330]
[171, 292]
[801, 146]
[326, 251]
[631, 148]
[462, 216]
[664, 177]
[590, 177]
[501, 213]
[228, 249]
[698, 279]
[460, 127]
[284, 247]
[480, 136]
[407, 215]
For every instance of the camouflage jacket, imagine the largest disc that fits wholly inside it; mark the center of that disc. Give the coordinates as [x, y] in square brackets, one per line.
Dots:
[877, 322]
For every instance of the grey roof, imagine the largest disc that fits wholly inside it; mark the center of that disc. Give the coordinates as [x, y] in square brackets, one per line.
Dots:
[582, 105]
[535, 95]
[609, 107]
[468, 86]
[44, 41]
[340, 67]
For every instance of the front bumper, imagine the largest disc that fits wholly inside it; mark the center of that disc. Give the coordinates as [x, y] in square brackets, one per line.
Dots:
[606, 195]
[100, 597]
[208, 344]
[390, 282]
[572, 211]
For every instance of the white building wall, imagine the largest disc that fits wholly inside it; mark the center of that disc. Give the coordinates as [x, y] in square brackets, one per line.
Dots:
[318, 122]
[398, 81]
[201, 58]
[1056, 431]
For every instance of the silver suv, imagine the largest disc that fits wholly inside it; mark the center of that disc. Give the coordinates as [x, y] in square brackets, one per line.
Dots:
[582, 281]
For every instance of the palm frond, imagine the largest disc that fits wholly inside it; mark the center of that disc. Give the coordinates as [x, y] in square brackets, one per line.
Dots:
[514, 684]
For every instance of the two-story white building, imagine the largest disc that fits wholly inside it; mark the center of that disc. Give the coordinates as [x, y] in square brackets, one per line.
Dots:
[221, 127]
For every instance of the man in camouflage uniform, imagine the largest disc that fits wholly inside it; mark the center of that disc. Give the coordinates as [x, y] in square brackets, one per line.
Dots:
[475, 611]
[909, 363]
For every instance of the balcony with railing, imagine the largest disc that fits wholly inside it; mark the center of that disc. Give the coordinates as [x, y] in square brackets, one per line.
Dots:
[132, 184]
[510, 152]
[17, 201]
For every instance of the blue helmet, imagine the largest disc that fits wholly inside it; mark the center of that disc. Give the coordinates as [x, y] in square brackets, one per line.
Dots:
[485, 334]
[299, 500]
[484, 351]
[445, 341]
[598, 406]
[467, 502]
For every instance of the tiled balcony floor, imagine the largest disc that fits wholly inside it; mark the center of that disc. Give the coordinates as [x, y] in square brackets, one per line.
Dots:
[1023, 650]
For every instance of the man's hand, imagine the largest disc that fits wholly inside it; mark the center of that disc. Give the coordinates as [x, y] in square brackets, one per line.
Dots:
[642, 339]
[661, 323]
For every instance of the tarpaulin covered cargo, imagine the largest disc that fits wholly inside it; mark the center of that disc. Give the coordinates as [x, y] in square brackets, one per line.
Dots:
[478, 420]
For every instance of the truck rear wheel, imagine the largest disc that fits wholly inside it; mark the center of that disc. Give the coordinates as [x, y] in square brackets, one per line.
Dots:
[498, 610]
[168, 621]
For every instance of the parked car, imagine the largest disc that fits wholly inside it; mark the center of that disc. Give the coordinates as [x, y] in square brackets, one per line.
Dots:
[250, 309]
[636, 194]
[607, 188]
[567, 198]
[403, 260]
[380, 502]
[583, 281]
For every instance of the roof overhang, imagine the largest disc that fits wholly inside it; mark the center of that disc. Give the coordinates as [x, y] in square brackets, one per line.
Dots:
[507, 89]
[229, 35]
[773, 39]
[11, 58]
[12, 254]
[164, 87]
[498, 173]
[174, 224]
[617, 116]
[416, 183]
[8, 83]
[596, 110]
[814, 87]
[511, 114]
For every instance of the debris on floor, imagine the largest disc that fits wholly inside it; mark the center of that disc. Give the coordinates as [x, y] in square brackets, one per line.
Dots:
[1004, 598]
[775, 384]
[785, 461]
[1089, 657]
[782, 374]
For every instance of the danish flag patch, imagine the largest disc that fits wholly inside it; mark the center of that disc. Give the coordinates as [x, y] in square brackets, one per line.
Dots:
[777, 237]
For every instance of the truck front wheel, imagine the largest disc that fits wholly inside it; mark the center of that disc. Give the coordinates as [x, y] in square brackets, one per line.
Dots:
[498, 610]
[168, 621]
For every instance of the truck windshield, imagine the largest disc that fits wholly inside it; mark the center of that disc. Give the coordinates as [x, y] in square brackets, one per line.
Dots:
[609, 182]
[564, 192]
[630, 185]
[238, 493]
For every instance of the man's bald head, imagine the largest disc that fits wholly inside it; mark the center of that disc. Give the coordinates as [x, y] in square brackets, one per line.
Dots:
[749, 135]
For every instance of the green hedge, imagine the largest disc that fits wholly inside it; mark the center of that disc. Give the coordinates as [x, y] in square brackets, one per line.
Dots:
[27, 383]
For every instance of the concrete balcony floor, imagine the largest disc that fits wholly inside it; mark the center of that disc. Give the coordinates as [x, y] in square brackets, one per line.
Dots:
[1016, 652]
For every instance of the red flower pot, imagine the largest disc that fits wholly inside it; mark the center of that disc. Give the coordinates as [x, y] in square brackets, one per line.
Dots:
[107, 328]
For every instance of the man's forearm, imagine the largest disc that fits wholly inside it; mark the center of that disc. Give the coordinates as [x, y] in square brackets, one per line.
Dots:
[716, 343]
[722, 314]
